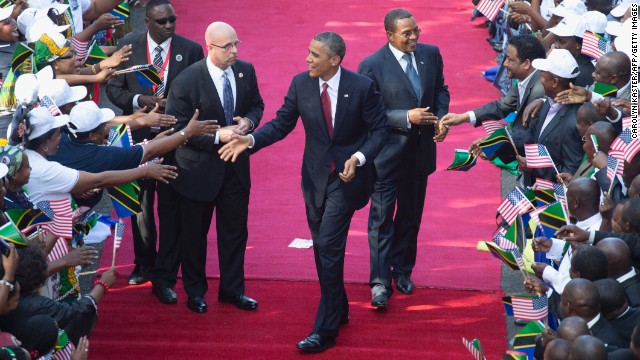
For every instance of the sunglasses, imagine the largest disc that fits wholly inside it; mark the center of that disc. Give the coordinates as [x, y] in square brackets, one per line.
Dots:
[163, 21]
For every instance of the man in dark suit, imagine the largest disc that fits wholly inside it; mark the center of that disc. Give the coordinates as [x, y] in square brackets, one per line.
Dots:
[409, 77]
[556, 124]
[522, 50]
[345, 128]
[620, 267]
[225, 89]
[174, 53]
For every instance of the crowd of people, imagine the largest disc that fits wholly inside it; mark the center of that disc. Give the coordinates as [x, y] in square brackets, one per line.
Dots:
[370, 135]
[576, 102]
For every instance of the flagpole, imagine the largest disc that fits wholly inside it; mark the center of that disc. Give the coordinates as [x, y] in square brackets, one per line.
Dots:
[615, 175]
[113, 260]
[564, 187]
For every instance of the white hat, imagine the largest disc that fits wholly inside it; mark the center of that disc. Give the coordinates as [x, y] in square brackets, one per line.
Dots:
[48, 4]
[41, 121]
[28, 85]
[595, 21]
[614, 28]
[623, 41]
[568, 7]
[559, 62]
[27, 17]
[6, 12]
[42, 25]
[61, 93]
[86, 116]
[4, 170]
[571, 25]
[622, 8]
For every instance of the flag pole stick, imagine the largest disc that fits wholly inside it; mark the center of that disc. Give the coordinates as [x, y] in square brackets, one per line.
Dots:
[113, 260]
[613, 180]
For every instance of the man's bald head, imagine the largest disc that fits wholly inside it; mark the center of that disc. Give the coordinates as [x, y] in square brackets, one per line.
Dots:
[222, 44]
[619, 66]
[557, 349]
[613, 300]
[586, 116]
[573, 327]
[583, 197]
[580, 298]
[604, 132]
[587, 347]
[618, 256]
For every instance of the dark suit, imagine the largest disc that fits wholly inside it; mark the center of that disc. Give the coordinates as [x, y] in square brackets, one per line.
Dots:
[625, 324]
[561, 139]
[632, 289]
[405, 162]
[359, 125]
[511, 102]
[604, 331]
[121, 90]
[206, 182]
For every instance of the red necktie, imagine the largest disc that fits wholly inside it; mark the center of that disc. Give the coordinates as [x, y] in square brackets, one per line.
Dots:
[326, 110]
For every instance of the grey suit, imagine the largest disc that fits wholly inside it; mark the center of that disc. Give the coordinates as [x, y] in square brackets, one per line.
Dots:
[511, 102]
[405, 162]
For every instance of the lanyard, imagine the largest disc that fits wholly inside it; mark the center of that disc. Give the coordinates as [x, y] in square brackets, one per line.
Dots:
[164, 63]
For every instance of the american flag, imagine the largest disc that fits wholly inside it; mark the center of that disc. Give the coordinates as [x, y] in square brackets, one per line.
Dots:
[59, 250]
[60, 212]
[513, 205]
[626, 122]
[530, 308]
[504, 243]
[612, 167]
[537, 156]
[490, 8]
[117, 236]
[474, 348]
[626, 144]
[519, 259]
[81, 47]
[593, 45]
[47, 102]
[544, 184]
[491, 126]
[561, 196]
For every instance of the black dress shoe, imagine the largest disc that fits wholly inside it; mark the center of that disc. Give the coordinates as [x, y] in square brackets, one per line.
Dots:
[344, 320]
[404, 284]
[165, 295]
[240, 301]
[197, 304]
[140, 275]
[380, 296]
[316, 343]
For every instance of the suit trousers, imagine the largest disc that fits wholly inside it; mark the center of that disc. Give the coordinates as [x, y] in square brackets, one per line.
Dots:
[329, 226]
[143, 225]
[380, 230]
[184, 243]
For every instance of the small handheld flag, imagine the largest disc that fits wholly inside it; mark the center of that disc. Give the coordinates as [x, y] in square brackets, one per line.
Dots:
[9, 232]
[537, 156]
[593, 45]
[513, 205]
[94, 54]
[490, 8]
[117, 239]
[530, 307]
[490, 126]
[121, 11]
[462, 161]
[474, 348]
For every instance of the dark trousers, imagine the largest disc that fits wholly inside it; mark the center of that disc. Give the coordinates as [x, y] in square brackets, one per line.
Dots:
[143, 225]
[329, 226]
[185, 242]
[380, 230]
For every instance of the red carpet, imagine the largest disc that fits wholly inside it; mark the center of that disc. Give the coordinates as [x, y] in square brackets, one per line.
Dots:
[425, 325]
[459, 211]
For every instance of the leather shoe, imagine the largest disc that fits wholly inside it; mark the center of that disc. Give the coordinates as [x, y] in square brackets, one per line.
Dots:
[344, 320]
[316, 343]
[240, 301]
[165, 295]
[197, 304]
[380, 296]
[404, 284]
[140, 275]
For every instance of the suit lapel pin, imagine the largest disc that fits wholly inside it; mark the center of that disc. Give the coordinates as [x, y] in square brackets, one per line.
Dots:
[346, 95]
[421, 62]
[240, 75]
[178, 57]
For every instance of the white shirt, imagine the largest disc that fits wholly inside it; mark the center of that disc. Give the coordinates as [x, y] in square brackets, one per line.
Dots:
[77, 9]
[627, 276]
[403, 64]
[49, 179]
[151, 48]
[553, 110]
[593, 321]
[218, 80]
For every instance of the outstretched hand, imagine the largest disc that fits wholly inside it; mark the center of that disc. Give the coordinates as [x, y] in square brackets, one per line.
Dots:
[161, 172]
[574, 95]
[235, 147]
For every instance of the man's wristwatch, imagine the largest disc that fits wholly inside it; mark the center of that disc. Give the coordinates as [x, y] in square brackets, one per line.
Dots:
[9, 284]
[184, 136]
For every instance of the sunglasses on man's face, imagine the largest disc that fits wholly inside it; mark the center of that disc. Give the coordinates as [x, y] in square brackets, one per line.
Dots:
[163, 21]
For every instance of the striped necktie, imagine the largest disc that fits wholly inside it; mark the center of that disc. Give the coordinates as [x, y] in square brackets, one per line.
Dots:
[157, 61]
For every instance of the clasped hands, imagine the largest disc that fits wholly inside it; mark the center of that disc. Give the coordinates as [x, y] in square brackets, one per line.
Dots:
[422, 116]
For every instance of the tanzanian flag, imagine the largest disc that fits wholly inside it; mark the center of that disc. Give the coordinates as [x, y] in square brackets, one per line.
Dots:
[121, 11]
[551, 219]
[508, 306]
[514, 355]
[21, 62]
[505, 256]
[5, 4]
[27, 219]
[604, 89]
[125, 199]
[494, 142]
[544, 197]
[515, 233]
[9, 232]
[81, 230]
[462, 161]
[148, 76]
[120, 136]
[94, 55]
[7, 92]
[525, 340]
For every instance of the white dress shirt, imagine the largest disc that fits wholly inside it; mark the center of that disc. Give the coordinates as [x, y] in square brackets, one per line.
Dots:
[403, 64]
[218, 80]
[553, 110]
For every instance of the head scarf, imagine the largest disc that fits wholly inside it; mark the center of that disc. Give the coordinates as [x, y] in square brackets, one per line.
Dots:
[12, 157]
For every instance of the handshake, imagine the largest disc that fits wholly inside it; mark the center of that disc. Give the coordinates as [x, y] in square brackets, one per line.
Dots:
[422, 116]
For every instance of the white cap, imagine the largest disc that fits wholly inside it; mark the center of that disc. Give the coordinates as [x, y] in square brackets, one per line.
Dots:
[27, 17]
[559, 62]
[48, 4]
[86, 116]
[6, 12]
[42, 25]
[41, 121]
[622, 8]
[61, 93]
[4, 170]
[572, 25]
[623, 41]
[28, 85]
[568, 7]
[595, 21]
[614, 28]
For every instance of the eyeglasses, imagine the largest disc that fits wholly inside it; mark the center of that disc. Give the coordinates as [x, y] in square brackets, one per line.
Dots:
[407, 34]
[228, 46]
[172, 19]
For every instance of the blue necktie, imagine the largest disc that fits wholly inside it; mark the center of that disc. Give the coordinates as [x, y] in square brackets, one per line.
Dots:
[412, 74]
[227, 101]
